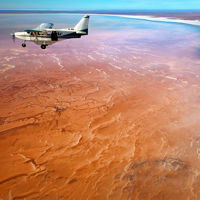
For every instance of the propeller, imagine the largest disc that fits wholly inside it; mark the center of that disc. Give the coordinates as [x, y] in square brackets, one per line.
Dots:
[13, 37]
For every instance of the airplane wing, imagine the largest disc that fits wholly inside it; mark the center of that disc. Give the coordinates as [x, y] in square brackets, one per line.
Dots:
[32, 30]
[41, 27]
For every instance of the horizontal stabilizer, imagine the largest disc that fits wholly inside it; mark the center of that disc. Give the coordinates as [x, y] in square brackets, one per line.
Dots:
[81, 32]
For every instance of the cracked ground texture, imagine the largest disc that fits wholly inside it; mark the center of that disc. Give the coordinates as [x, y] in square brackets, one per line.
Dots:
[113, 118]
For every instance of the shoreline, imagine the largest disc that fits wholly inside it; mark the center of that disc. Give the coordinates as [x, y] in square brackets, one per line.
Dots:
[170, 19]
[161, 19]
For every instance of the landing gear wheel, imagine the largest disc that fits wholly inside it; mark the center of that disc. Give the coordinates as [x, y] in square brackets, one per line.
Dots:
[23, 45]
[43, 46]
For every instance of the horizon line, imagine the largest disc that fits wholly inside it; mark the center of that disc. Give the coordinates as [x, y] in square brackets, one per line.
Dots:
[99, 9]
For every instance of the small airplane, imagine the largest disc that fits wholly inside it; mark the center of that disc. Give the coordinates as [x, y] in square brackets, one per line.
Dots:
[45, 35]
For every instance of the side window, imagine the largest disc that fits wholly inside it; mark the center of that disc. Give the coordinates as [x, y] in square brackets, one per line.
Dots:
[44, 33]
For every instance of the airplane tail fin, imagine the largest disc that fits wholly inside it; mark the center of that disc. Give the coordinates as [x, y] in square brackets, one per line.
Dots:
[82, 26]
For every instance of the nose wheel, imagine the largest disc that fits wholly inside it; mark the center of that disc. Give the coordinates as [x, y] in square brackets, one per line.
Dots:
[24, 45]
[43, 46]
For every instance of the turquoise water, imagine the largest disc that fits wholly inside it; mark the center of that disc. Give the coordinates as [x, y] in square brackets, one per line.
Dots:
[123, 31]
[18, 22]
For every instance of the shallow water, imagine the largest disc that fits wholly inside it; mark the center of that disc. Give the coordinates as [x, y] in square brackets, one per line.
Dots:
[157, 35]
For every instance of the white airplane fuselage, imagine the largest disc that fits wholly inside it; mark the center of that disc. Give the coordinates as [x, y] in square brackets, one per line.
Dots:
[45, 35]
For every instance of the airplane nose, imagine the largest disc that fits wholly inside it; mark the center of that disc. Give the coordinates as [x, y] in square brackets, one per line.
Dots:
[19, 33]
[13, 36]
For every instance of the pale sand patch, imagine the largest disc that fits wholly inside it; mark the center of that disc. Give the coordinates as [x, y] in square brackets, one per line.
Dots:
[91, 57]
[6, 67]
[172, 78]
[115, 66]
[19, 50]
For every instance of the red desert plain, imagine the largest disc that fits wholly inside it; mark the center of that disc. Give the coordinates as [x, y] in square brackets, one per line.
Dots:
[114, 115]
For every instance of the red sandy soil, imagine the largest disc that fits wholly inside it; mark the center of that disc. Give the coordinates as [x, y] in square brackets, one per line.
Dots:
[75, 127]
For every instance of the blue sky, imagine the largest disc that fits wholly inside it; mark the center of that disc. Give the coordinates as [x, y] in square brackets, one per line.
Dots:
[100, 4]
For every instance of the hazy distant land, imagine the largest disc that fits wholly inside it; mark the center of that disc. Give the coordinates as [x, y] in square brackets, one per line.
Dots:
[187, 17]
